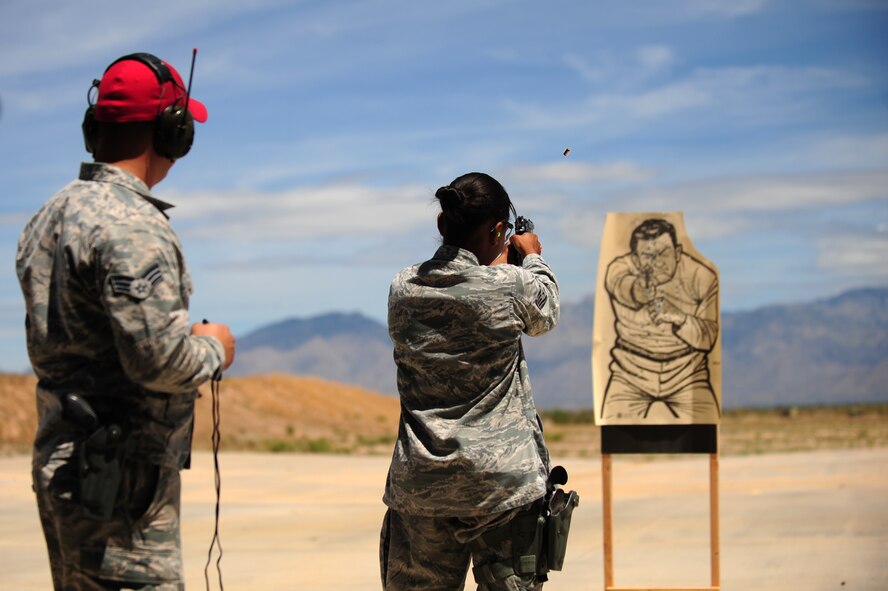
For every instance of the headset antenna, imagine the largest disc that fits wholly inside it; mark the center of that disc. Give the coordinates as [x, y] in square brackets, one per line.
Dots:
[190, 78]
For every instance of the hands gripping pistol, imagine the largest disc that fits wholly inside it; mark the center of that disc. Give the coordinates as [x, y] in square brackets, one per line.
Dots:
[522, 225]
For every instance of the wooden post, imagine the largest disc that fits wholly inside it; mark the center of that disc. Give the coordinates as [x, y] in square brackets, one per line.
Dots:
[607, 520]
[607, 525]
[713, 520]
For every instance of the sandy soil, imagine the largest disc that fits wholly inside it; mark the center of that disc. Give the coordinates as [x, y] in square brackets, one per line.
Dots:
[811, 520]
[261, 413]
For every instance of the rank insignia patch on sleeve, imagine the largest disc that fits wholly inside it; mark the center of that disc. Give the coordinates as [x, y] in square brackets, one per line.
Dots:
[137, 287]
[541, 299]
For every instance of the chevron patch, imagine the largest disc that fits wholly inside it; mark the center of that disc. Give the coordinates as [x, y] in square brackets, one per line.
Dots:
[541, 299]
[137, 287]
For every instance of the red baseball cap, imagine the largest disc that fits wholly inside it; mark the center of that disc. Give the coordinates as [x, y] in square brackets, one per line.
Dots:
[138, 87]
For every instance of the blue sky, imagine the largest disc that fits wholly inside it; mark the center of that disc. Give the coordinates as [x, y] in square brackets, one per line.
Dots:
[332, 123]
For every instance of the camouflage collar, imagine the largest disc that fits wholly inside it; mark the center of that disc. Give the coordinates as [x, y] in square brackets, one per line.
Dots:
[101, 172]
[448, 252]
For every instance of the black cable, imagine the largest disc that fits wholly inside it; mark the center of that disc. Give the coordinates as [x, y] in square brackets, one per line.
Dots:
[217, 438]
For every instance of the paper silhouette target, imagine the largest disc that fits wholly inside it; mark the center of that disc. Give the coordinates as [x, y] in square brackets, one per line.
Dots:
[656, 351]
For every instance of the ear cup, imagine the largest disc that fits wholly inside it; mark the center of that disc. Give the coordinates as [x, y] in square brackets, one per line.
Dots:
[173, 132]
[90, 129]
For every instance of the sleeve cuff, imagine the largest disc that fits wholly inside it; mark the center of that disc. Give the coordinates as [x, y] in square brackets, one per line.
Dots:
[215, 358]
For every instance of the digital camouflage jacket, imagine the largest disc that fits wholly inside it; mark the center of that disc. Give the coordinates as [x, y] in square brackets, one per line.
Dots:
[470, 441]
[106, 293]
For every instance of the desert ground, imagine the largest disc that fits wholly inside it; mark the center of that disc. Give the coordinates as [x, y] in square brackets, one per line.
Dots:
[812, 520]
[803, 495]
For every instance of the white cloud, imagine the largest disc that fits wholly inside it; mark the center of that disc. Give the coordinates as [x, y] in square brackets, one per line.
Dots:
[583, 227]
[857, 151]
[661, 101]
[657, 13]
[724, 8]
[47, 99]
[625, 70]
[94, 28]
[655, 57]
[715, 208]
[722, 207]
[703, 226]
[728, 97]
[754, 94]
[764, 193]
[306, 213]
[854, 255]
[587, 71]
[579, 172]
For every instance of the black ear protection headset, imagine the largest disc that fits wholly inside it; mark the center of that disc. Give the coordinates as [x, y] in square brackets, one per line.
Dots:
[174, 126]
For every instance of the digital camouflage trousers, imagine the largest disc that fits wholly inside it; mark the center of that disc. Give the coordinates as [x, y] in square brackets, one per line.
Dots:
[433, 553]
[138, 548]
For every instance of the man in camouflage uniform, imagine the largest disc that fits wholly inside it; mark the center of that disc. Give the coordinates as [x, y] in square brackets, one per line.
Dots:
[470, 455]
[106, 293]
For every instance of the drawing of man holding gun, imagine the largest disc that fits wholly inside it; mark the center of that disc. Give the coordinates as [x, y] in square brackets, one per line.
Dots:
[665, 305]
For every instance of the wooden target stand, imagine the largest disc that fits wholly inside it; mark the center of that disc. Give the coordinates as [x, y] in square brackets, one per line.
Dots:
[671, 439]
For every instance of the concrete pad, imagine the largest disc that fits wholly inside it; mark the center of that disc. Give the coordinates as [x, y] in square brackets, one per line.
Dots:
[812, 520]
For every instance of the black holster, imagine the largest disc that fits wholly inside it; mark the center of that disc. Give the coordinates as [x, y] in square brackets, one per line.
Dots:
[561, 506]
[99, 459]
[538, 535]
[99, 470]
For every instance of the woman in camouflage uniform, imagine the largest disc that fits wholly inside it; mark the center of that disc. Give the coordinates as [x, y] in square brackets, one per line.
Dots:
[470, 455]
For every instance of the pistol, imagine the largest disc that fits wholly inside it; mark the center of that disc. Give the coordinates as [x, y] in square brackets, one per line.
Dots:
[522, 225]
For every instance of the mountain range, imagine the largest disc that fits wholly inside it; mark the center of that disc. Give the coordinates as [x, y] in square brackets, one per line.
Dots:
[828, 351]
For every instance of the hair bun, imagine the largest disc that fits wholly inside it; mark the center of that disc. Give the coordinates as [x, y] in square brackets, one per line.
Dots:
[450, 197]
[452, 203]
